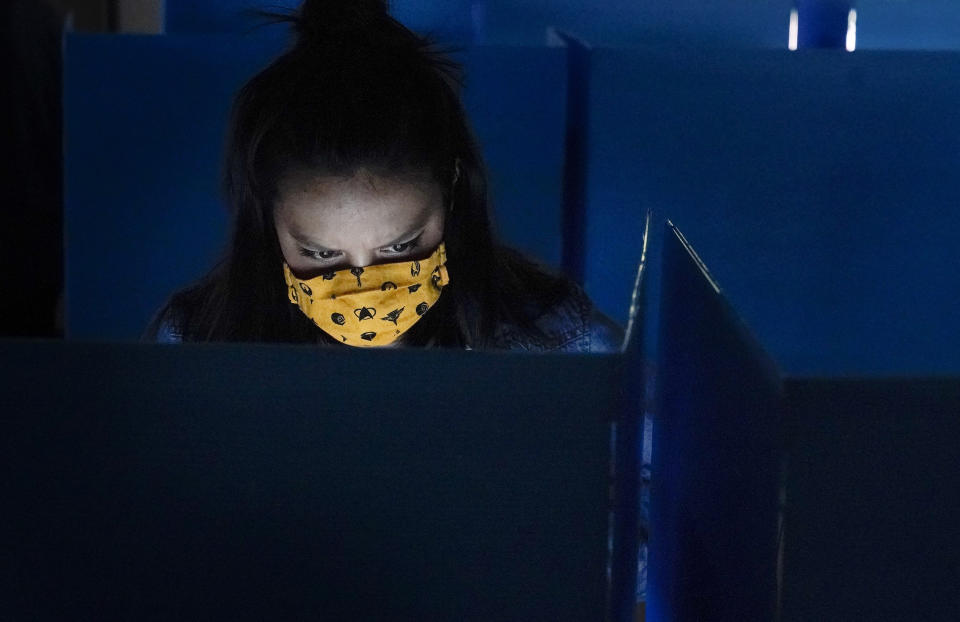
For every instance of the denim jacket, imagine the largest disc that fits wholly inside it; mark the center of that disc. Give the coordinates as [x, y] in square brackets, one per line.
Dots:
[573, 325]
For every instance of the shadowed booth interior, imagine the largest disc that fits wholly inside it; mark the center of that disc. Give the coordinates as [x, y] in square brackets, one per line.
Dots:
[764, 193]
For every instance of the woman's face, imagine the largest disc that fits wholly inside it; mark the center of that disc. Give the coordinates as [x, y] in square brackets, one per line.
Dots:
[329, 223]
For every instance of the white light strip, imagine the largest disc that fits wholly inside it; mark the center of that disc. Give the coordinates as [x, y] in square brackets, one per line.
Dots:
[852, 30]
[794, 29]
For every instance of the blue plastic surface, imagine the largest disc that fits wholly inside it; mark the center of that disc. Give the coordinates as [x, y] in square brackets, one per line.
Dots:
[145, 119]
[793, 498]
[218, 16]
[448, 20]
[891, 24]
[888, 24]
[232, 481]
[819, 186]
[716, 457]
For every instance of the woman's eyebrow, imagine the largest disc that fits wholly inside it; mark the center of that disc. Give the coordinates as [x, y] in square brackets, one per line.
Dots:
[305, 241]
[406, 236]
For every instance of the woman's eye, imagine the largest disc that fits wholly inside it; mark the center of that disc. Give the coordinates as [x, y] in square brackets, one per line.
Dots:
[403, 247]
[306, 252]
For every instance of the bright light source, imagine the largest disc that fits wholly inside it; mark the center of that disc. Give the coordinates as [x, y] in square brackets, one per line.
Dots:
[852, 30]
[794, 29]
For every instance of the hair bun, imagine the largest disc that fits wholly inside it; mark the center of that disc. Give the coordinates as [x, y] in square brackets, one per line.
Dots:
[323, 18]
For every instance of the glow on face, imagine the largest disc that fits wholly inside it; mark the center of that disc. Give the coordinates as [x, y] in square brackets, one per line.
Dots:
[329, 223]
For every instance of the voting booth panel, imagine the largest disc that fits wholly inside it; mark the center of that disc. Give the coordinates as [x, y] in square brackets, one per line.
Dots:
[716, 456]
[818, 187]
[930, 25]
[149, 482]
[145, 122]
[872, 519]
[725, 22]
[811, 180]
[779, 496]
[446, 20]
[218, 16]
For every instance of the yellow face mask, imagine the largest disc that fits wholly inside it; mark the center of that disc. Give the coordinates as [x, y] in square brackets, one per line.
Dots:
[370, 306]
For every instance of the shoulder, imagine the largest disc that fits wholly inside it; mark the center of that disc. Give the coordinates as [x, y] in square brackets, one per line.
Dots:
[167, 325]
[571, 324]
[168, 332]
[176, 320]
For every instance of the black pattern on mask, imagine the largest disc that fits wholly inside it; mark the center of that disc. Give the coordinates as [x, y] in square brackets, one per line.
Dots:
[422, 308]
[293, 294]
[365, 313]
[413, 288]
[415, 268]
[338, 319]
[393, 316]
[368, 336]
[328, 276]
[306, 289]
[357, 272]
[388, 285]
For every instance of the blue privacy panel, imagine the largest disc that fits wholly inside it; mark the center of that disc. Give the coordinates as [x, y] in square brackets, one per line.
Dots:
[145, 121]
[793, 498]
[892, 24]
[716, 457]
[232, 482]
[218, 16]
[516, 99]
[868, 465]
[819, 186]
[519, 22]
[450, 20]
[144, 133]
[628, 22]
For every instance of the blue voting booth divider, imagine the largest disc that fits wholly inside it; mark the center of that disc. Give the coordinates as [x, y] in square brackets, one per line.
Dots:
[881, 24]
[780, 495]
[222, 16]
[928, 25]
[257, 481]
[145, 481]
[814, 180]
[446, 20]
[716, 470]
[819, 185]
[523, 22]
[144, 129]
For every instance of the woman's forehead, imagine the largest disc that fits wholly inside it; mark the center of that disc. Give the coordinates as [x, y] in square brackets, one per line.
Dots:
[362, 208]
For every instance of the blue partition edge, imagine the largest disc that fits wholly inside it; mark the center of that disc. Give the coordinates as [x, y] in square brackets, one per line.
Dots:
[716, 456]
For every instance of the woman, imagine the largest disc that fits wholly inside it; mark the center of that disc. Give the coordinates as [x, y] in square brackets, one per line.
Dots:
[360, 211]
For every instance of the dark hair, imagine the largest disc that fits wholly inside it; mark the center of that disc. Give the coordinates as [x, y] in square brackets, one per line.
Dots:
[357, 90]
